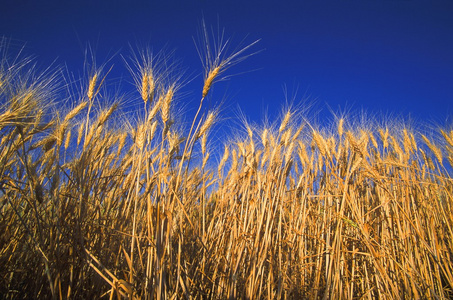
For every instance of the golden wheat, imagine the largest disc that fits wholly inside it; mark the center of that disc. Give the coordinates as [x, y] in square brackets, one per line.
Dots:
[292, 212]
[209, 80]
[91, 86]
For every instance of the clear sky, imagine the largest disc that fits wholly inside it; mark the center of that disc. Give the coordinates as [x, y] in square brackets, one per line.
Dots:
[384, 56]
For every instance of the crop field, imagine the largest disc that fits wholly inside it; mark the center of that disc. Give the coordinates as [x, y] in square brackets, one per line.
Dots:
[96, 205]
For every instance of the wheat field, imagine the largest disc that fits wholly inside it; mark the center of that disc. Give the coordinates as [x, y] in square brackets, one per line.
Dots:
[92, 207]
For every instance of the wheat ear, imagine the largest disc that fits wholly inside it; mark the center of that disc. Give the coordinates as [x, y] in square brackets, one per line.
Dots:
[209, 80]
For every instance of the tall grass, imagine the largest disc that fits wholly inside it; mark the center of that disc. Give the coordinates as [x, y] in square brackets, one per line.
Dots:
[90, 209]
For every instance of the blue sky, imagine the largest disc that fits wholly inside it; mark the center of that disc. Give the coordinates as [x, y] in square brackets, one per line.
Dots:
[393, 56]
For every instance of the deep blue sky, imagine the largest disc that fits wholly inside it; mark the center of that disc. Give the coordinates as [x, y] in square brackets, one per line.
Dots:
[393, 56]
